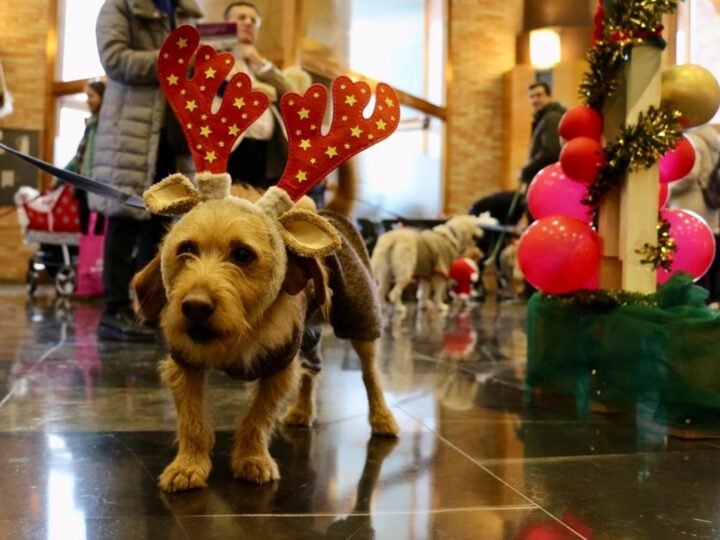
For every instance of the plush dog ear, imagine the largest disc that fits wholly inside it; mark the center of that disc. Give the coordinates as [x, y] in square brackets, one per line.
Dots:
[300, 270]
[150, 290]
[307, 234]
[174, 195]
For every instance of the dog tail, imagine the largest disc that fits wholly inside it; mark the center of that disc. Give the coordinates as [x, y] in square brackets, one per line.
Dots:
[343, 199]
[380, 260]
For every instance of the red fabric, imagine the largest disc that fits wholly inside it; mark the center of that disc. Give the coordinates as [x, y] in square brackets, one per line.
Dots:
[210, 135]
[313, 155]
[463, 273]
[64, 214]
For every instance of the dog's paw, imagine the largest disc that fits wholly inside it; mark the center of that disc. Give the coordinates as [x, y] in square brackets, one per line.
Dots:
[184, 474]
[400, 312]
[256, 469]
[443, 307]
[297, 417]
[384, 424]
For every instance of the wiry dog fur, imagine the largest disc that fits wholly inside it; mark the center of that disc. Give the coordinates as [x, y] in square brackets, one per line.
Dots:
[405, 254]
[231, 296]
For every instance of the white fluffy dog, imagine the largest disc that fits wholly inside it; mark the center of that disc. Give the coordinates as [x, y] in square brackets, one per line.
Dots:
[404, 254]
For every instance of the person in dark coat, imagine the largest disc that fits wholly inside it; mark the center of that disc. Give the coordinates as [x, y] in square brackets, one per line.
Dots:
[545, 141]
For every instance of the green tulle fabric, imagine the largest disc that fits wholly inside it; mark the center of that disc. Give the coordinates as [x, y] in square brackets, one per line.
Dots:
[666, 356]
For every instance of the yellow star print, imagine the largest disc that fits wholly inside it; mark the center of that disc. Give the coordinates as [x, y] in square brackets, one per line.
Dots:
[234, 130]
[239, 103]
[350, 100]
[172, 79]
[389, 102]
[381, 125]
[182, 43]
[210, 73]
[304, 113]
[190, 105]
[301, 176]
[305, 144]
[205, 131]
[331, 151]
[210, 157]
[356, 131]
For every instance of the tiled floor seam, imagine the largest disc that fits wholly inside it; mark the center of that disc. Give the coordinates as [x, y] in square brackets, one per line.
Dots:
[376, 513]
[499, 479]
[57, 346]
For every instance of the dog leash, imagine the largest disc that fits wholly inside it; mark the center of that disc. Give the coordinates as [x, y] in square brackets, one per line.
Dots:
[496, 248]
[78, 180]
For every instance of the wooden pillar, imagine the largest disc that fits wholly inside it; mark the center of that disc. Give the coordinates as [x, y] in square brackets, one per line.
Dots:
[628, 218]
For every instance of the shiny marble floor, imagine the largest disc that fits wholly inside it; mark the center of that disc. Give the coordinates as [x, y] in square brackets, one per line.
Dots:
[86, 427]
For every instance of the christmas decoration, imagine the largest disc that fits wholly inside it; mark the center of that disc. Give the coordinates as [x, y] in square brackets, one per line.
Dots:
[581, 159]
[693, 91]
[552, 193]
[581, 121]
[677, 163]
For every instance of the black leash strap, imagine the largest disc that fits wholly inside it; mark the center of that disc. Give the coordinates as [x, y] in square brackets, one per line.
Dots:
[77, 180]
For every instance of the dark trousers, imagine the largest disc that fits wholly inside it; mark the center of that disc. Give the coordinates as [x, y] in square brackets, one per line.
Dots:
[130, 244]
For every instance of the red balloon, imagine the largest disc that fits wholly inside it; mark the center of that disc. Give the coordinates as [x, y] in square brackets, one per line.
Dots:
[678, 162]
[551, 193]
[695, 244]
[581, 121]
[581, 158]
[663, 195]
[559, 254]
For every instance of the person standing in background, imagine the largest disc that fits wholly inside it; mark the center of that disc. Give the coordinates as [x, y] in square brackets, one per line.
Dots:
[260, 157]
[138, 142]
[82, 161]
[545, 140]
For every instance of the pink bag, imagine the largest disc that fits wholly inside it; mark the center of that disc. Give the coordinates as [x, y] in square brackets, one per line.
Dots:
[90, 261]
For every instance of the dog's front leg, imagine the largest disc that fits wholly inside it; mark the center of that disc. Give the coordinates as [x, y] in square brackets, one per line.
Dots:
[191, 466]
[251, 458]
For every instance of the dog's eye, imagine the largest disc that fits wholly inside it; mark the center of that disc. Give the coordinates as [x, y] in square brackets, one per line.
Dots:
[242, 255]
[187, 248]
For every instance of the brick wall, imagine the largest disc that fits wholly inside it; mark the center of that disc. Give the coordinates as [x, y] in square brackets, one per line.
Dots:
[22, 51]
[482, 49]
[23, 54]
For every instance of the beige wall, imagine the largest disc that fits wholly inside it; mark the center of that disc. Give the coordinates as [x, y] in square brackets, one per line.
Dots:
[482, 49]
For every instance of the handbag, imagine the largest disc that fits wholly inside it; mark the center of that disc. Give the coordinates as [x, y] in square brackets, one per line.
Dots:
[90, 260]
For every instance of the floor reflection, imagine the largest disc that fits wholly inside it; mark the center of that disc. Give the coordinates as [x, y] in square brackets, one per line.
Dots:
[86, 427]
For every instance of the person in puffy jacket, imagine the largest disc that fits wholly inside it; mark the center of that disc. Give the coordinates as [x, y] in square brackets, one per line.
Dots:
[138, 143]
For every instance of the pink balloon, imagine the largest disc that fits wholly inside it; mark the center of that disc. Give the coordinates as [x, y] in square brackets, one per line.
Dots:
[663, 195]
[559, 254]
[551, 193]
[678, 162]
[695, 244]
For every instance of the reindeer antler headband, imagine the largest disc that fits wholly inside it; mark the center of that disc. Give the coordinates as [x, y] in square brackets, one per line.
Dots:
[211, 135]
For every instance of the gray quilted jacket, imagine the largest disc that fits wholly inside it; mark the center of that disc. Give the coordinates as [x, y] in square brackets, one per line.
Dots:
[129, 36]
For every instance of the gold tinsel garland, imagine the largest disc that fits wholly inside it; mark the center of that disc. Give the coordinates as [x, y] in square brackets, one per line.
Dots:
[637, 147]
[602, 299]
[626, 23]
[623, 24]
[660, 255]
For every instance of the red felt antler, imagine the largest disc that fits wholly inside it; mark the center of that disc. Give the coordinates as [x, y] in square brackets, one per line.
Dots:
[313, 155]
[210, 135]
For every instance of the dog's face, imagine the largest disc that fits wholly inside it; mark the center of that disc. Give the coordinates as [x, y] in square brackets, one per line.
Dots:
[466, 229]
[223, 265]
[226, 267]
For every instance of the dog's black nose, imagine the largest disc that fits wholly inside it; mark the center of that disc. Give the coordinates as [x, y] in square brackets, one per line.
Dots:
[198, 306]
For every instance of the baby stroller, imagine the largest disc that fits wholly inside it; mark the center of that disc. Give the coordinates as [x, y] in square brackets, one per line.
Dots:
[50, 219]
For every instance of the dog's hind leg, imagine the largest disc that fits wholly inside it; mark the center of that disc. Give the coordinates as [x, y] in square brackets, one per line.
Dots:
[302, 412]
[439, 287]
[382, 420]
[251, 459]
[191, 466]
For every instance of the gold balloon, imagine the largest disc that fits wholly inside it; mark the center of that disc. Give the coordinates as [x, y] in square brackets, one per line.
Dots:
[693, 91]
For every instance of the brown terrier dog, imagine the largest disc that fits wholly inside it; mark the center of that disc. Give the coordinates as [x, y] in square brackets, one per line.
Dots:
[231, 286]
